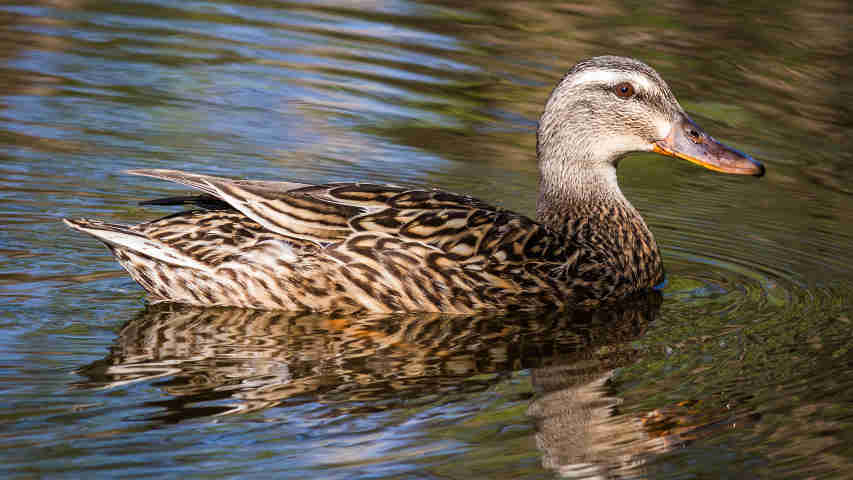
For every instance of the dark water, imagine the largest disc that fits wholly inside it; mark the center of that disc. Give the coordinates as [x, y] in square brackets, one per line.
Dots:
[743, 369]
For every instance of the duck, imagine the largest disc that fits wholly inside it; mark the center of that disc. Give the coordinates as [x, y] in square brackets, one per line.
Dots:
[352, 246]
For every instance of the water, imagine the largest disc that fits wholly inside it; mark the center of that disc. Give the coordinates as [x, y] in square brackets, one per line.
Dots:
[741, 370]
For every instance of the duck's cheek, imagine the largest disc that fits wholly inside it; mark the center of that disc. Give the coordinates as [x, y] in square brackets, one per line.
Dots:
[663, 128]
[618, 145]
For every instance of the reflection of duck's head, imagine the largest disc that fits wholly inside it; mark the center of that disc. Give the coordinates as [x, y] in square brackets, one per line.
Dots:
[607, 107]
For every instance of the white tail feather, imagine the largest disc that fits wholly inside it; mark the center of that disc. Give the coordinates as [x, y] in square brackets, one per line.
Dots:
[123, 237]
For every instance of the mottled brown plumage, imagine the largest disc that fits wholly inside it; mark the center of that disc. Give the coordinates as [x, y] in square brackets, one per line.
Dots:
[357, 246]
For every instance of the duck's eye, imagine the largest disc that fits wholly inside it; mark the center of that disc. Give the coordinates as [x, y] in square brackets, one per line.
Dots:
[624, 90]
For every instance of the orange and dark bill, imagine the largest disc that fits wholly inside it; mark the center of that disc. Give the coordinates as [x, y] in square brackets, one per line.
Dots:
[689, 142]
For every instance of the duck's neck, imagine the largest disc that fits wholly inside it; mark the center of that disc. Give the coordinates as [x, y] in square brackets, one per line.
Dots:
[588, 208]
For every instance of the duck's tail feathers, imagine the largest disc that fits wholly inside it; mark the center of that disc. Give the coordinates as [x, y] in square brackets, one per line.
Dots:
[109, 233]
[127, 239]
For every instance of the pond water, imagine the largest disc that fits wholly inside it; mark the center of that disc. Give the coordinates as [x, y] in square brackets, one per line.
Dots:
[741, 369]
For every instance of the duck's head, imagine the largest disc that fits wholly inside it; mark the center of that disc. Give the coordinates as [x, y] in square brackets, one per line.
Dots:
[607, 107]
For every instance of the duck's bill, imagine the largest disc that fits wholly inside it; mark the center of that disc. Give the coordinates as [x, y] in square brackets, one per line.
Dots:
[689, 142]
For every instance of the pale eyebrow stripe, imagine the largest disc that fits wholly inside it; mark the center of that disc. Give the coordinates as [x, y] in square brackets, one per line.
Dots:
[610, 77]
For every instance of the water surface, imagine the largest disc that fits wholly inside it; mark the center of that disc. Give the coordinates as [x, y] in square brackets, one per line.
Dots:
[741, 370]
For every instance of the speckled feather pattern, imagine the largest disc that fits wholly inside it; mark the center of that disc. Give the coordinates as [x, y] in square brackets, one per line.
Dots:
[351, 247]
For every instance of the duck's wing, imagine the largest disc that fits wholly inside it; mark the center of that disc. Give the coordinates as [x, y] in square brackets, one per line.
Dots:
[200, 181]
[206, 200]
[464, 228]
[280, 207]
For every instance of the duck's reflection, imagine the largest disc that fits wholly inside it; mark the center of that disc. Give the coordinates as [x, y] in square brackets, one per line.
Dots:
[222, 361]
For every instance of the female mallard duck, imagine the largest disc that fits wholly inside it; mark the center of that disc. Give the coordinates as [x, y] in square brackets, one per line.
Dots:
[358, 246]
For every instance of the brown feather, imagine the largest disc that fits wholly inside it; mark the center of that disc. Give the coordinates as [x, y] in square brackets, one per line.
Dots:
[385, 249]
